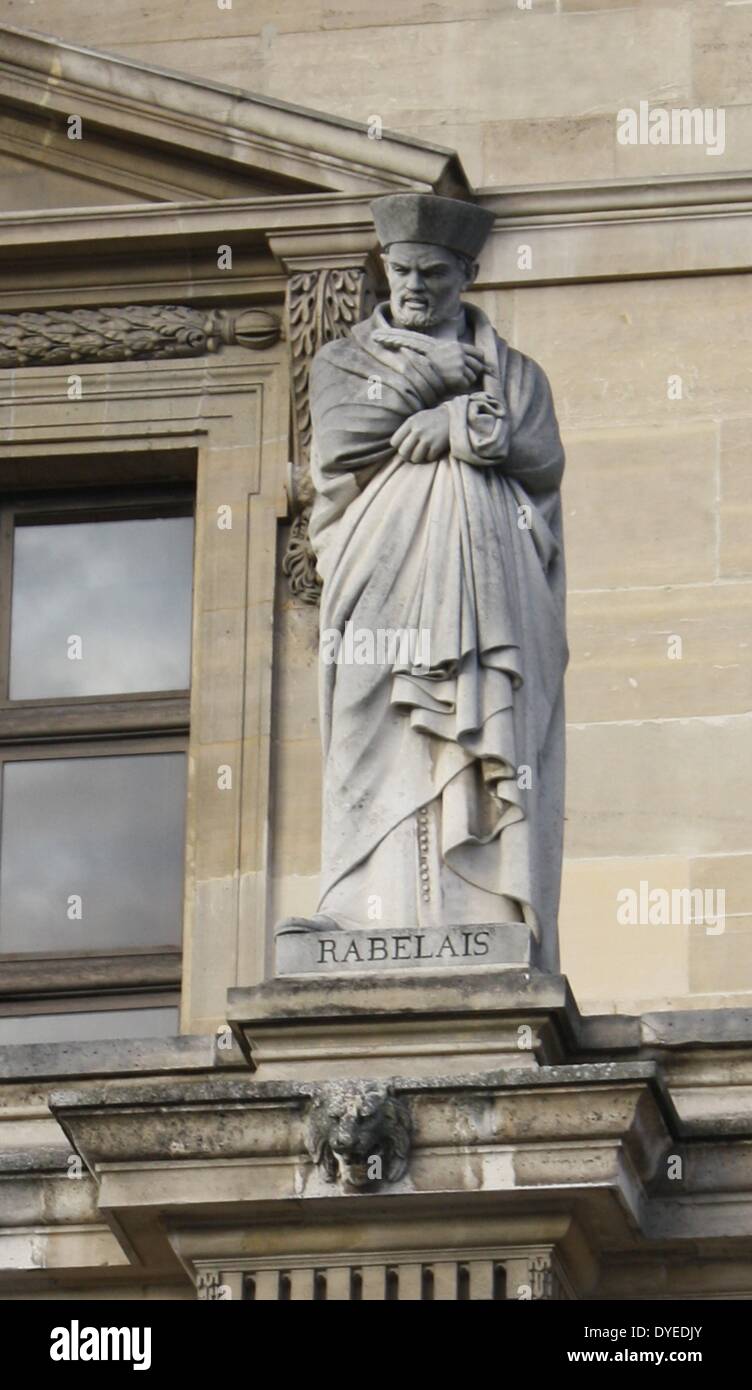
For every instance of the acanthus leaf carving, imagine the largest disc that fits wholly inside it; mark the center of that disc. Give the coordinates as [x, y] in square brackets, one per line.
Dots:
[321, 305]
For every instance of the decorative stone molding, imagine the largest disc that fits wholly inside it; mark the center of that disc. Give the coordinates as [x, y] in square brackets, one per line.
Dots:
[210, 1286]
[536, 1276]
[491, 1273]
[544, 1282]
[359, 1133]
[135, 332]
[322, 304]
[411, 1278]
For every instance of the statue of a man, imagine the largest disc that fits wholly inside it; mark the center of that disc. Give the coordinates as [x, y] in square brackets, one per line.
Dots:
[437, 462]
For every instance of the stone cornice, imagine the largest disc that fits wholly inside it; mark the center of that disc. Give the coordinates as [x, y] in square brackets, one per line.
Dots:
[176, 1137]
[120, 1058]
[636, 198]
[576, 233]
[621, 229]
[292, 214]
[599, 1106]
[574, 1136]
[189, 223]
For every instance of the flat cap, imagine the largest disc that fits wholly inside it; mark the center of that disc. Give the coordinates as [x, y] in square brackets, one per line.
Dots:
[425, 217]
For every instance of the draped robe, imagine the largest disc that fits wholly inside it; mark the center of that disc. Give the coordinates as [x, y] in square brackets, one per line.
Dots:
[467, 750]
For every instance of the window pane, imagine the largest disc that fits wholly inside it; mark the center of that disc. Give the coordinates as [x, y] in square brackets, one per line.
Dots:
[91, 852]
[86, 1027]
[122, 588]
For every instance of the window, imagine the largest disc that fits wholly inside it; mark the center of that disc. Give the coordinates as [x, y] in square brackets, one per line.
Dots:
[95, 650]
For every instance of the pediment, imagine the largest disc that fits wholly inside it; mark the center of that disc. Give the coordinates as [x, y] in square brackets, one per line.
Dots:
[34, 185]
[150, 135]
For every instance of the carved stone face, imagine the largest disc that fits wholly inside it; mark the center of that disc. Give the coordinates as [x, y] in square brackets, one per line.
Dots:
[356, 1135]
[425, 283]
[359, 1133]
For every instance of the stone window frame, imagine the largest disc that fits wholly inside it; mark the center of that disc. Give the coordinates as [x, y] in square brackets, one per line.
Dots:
[46, 982]
[221, 423]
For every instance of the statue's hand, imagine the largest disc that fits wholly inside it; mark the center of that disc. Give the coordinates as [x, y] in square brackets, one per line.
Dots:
[424, 437]
[458, 364]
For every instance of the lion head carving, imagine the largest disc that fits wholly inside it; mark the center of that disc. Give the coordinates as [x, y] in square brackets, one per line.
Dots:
[359, 1133]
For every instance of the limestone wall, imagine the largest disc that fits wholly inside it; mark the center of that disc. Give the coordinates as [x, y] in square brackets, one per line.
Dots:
[657, 507]
[525, 96]
[657, 493]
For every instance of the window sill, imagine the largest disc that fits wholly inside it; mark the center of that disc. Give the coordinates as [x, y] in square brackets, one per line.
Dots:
[50, 976]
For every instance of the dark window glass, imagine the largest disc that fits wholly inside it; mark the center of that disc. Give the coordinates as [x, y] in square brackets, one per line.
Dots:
[101, 608]
[91, 852]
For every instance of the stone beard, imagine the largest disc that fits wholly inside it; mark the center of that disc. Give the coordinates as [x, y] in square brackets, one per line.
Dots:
[437, 462]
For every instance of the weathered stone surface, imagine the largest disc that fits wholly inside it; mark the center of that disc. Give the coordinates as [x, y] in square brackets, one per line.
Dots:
[588, 6]
[632, 786]
[296, 758]
[28, 186]
[731, 874]
[686, 1028]
[297, 844]
[498, 305]
[542, 77]
[160, 1055]
[735, 500]
[650, 653]
[266, 17]
[407, 1024]
[717, 964]
[613, 473]
[537, 150]
[650, 961]
[220, 703]
[722, 46]
[610, 349]
[462, 136]
[506, 989]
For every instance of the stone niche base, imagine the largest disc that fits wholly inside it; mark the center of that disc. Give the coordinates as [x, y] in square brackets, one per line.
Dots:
[441, 1024]
[372, 952]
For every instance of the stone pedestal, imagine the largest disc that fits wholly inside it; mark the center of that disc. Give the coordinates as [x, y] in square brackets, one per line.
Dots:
[407, 1138]
[369, 1027]
[445, 1136]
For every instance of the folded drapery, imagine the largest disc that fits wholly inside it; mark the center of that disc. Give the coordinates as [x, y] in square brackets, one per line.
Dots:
[468, 550]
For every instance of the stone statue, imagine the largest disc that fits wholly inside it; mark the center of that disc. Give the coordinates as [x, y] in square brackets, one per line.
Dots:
[436, 525]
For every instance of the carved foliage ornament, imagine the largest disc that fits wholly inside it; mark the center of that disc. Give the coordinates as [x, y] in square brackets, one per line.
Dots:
[321, 305]
[138, 331]
[359, 1134]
